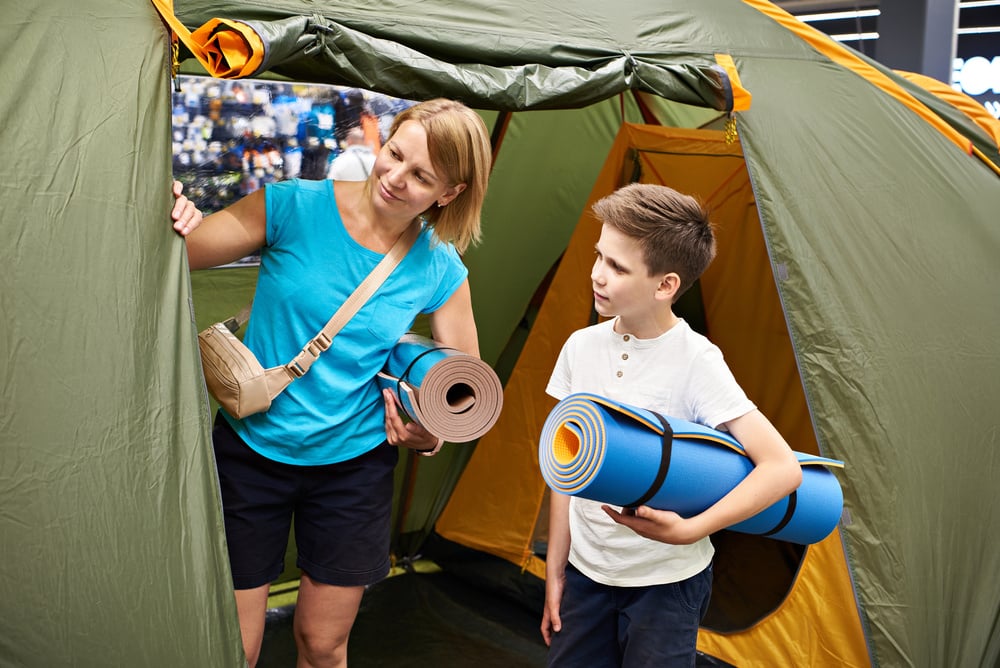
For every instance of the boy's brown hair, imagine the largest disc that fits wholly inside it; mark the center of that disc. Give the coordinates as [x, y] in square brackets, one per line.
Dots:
[672, 229]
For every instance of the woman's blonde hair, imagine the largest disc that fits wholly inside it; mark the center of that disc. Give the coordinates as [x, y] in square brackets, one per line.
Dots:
[459, 148]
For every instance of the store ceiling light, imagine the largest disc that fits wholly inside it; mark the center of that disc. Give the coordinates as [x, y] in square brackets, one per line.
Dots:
[981, 30]
[839, 16]
[855, 36]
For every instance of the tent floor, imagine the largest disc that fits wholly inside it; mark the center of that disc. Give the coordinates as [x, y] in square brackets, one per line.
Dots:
[425, 619]
[415, 620]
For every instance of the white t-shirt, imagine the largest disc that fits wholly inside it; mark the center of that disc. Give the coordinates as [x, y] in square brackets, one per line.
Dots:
[678, 374]
[354, 164]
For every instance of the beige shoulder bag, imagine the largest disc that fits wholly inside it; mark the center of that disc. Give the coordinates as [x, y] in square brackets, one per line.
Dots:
[238, 381]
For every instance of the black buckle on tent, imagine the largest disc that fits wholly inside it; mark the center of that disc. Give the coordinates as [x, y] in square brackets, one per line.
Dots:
[667, 443]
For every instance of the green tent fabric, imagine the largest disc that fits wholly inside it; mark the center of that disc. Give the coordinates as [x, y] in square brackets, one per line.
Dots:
[112, 547]
[881, 232]
[496, 56]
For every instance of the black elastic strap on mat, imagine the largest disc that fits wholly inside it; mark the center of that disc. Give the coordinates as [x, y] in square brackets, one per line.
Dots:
[667, 442]
[405, 376]
[789, 512]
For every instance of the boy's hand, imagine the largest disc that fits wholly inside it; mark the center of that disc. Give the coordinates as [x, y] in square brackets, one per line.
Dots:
[553, 597]
[661, 525]
[407, 434]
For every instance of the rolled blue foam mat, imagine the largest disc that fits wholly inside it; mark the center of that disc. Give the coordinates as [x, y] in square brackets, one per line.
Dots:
[599, 449]
[454, 395]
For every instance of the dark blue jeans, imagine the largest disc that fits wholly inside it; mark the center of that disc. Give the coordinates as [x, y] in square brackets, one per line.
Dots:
[630, 627]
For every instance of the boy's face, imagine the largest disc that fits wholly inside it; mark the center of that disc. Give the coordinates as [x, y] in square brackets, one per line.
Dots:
[621, 281]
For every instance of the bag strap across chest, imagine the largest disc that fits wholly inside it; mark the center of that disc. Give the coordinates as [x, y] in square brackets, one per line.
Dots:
[300, 364]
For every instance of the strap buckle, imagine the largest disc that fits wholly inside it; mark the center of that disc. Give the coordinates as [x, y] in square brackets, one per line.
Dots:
[319, 344]
[232, 324]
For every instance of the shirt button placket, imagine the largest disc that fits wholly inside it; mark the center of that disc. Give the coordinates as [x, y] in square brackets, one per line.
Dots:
[621, 367]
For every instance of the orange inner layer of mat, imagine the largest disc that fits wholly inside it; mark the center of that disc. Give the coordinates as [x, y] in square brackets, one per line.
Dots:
[565, 446]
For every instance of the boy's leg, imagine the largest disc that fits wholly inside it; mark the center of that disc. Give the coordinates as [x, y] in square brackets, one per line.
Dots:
[589, 629]
[658, 625]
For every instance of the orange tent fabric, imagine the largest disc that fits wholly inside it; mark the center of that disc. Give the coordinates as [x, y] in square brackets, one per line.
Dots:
[744, 317]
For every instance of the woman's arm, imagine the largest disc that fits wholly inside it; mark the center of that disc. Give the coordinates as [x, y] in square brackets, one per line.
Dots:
[454, 325]
[230, 234]
[226, 236]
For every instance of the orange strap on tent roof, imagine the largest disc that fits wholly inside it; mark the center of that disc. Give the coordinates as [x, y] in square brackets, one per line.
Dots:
[741, 96]
[967, 105]
[843, 56]
[226, 49]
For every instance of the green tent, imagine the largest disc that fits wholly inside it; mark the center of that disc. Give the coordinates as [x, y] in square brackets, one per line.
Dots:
[871, 216]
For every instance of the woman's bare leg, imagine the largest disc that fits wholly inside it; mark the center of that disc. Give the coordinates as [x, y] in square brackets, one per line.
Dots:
[251, 605]
[324, 615]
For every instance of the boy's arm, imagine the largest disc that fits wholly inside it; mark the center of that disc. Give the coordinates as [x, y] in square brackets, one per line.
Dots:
[775, 475]
[556, 558]
[557, 553]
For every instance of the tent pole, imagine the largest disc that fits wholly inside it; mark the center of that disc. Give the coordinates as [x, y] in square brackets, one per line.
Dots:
[499, 132]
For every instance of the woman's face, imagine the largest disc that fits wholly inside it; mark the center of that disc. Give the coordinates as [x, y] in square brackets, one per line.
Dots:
[406, 182]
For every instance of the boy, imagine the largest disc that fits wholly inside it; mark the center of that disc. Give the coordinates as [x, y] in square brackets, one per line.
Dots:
[629, 588]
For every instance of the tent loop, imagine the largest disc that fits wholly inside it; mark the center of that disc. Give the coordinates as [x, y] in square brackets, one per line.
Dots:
[321, 27]
[631, 66]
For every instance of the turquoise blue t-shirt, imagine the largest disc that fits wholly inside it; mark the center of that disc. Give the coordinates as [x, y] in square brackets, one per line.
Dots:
[309, 266]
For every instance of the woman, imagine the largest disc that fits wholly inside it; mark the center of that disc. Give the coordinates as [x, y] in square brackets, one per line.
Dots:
[324, 452]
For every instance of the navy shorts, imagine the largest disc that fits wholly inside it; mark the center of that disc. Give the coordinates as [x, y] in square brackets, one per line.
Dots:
[342, 513]
[632, 627]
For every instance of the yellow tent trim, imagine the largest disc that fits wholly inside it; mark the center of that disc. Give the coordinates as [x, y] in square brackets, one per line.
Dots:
[741, 96]
[226, 49]
[790, 636]
[976, 112]
[843, 56]
[967, 105]
[535, 566]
